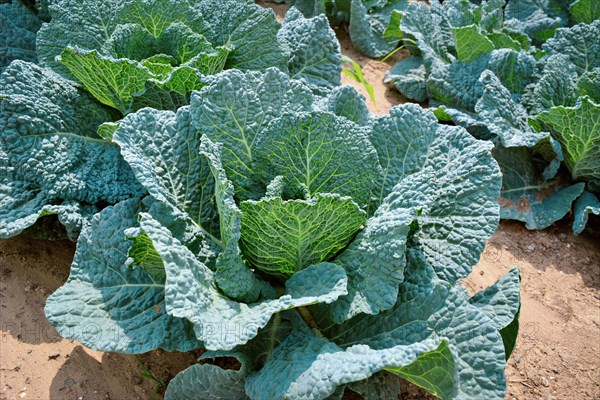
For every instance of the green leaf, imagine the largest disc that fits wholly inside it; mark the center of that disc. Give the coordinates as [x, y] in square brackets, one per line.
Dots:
[402, 141]
[581, 43]
[144, 256]
[235, 108]
[346, 102]
[18, 27]
[315, 51]
[502, 303]
[321, 153]
[578, 130]
[587, 204]
[307, 366]
[109, 306]
[434, 371]
[48, 131]
[503, 41]
[527, 195]
[207, 382]
[162, 149]
[283, 237]
[191, 292]
[410, 77]
[470, 43]
[234, 278]
[393, 29]
[111, 82]
[585, 11]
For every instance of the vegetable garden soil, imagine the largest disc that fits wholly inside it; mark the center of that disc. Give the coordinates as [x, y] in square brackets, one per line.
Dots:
[557, 354]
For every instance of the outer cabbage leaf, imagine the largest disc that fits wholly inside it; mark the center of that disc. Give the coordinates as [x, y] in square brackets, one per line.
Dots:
[162, 149]
[458, 84]
[587, 204]
[533, 17]
[248, 27]
[443, 165]
[109, 306]
[402, 141]
[556, 85]
[410, 77]
[501, 302]
[283, 237]
[455, 199]
[527, 195]
[48, 134]
[18, 27]
[233, 110]
[429, 308]
[307, 366]
[346, 102]
[581, 43]
[368, 24]
[222, 324]
[578, 130]
[315, 54]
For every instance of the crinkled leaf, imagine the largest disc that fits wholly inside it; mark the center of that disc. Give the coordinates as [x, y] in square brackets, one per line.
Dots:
[112, 82]
[346, 102]
[402, 141]
[585, 11]
[207, 382]
[556, 85]
[410, 77]
[587, 204]
[282, 237]
[470, 43]
[307, 366]
[49, 134]
[192, 293]
[581, 43]
[455, 199]
[578, 130]
[506, 119]
[368, 25]
[458, 85]
[233, 110]
[589, 85]
[527, 195]
[502, 302]
[249, 28]
[109, 306]
[233, 277]
[320, 153]
[162, 148]
[532, 17]
[315, 54]
[18, 27]
[429, 308]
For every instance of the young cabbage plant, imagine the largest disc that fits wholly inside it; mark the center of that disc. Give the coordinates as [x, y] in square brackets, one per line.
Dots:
[99, 62]
[319, 245]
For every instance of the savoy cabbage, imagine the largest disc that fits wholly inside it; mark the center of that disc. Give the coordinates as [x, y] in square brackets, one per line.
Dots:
[98, 62]
[319, 245]
[229, 195]
[514, 72]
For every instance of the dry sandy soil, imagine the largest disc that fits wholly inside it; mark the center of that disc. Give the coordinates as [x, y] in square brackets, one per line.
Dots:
[557, 354]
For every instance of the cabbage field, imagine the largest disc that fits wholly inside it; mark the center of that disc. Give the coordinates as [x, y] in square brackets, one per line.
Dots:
[233, 192]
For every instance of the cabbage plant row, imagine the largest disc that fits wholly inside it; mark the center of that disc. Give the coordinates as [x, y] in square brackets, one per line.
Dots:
[521, 73]
[228, 194]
